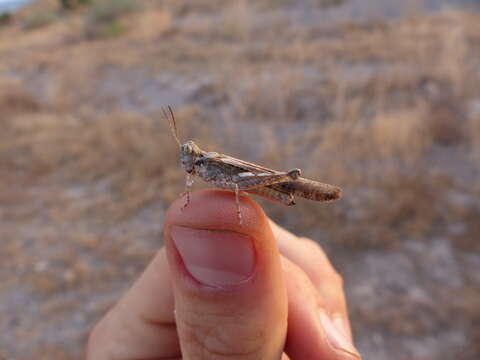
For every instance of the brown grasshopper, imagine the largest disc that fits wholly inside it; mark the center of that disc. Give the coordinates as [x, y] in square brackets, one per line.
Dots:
[226, 172]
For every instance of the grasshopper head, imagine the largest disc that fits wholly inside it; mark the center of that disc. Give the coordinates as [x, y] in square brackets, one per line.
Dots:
[189, 152]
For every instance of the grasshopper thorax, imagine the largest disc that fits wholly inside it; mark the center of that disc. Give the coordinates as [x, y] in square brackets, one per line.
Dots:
[189, 152]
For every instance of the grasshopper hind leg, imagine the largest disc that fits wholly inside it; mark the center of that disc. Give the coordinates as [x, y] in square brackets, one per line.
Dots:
[273, 194]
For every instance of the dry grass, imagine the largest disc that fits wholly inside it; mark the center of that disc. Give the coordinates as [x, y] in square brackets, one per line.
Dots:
[389, 111]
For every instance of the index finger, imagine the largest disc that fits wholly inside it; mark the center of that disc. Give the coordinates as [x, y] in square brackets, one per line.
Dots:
[310, 257]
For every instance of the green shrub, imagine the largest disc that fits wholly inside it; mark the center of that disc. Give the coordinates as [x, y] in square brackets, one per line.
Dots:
[112, 29]
[5, 18]
[331, 3]
[72, 4]
[110, 10]
[39, 20]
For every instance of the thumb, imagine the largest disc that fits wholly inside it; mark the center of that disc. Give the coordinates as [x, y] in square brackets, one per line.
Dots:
[230, 297]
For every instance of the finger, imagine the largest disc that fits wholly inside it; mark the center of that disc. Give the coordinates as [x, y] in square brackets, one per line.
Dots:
[310, 257]
[230, 296]
[312, 332]
[141, 325]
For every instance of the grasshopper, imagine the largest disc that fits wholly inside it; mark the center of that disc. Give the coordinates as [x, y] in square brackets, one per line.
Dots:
[227, 172]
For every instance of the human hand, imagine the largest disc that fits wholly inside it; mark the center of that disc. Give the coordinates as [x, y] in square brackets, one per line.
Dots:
[224, 290]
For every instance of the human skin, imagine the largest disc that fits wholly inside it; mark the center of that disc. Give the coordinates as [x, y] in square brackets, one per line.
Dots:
[219, 289]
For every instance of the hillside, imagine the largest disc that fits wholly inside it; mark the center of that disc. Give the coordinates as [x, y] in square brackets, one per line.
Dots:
[388, 110]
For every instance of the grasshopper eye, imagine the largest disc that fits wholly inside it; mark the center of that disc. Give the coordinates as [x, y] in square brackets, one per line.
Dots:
[190, 148]
[186, 149]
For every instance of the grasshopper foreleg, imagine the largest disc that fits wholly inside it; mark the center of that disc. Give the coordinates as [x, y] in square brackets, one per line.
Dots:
[237, 202]
[186, 193]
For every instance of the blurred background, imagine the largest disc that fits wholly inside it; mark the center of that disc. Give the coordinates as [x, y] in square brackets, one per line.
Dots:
[380, 97]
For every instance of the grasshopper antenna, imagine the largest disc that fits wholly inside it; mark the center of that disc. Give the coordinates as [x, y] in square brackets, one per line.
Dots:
[172, 123]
